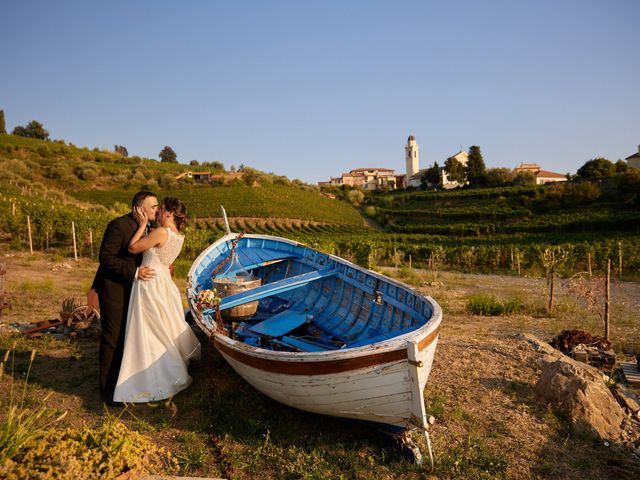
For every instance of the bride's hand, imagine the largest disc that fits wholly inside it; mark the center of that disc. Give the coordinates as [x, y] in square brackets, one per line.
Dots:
[140, 216]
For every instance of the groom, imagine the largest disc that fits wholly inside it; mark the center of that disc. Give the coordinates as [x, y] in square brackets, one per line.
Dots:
[113, 281]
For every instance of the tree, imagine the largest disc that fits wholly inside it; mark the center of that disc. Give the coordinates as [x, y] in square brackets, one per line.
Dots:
[621, 166]
[33, 130]
[476, 170]
[524, 178]
[455, 170]
[194, 163]
[168, 155]
[3, 128]
[121, 150]
[499, 176]
[432, 176]
[598, 167]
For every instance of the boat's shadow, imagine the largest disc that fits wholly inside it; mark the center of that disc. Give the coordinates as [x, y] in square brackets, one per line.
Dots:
[245, 415]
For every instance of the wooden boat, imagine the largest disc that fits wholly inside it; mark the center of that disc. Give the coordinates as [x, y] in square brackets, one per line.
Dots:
[327, 336]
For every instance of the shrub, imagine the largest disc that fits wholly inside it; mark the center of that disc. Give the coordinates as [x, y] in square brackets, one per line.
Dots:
[489, 306]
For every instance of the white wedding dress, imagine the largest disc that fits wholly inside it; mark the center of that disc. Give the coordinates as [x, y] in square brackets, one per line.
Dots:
[158, 341]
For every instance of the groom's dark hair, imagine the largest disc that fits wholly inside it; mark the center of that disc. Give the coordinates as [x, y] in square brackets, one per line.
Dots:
[139, 197]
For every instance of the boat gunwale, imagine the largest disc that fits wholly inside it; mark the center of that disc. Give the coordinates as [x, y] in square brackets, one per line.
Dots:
[429, 330]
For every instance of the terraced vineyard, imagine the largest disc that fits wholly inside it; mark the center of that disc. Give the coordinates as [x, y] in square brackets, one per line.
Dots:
[266, 201]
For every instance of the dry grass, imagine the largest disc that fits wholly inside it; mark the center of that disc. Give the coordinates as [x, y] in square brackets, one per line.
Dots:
[488, 422]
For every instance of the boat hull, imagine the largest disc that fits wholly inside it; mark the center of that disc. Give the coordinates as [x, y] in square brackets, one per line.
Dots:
[381, 382]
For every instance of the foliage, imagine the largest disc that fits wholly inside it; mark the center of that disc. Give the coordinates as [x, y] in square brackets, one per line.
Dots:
[86, 454]
[34, 129]
[499, 177]
[121, 150]
[355, 197]
[489, 306]
[476, 170]
[455, 170]
[432, 177]
[168, 155]
[21, 424]
[598, 167]
[3, 127]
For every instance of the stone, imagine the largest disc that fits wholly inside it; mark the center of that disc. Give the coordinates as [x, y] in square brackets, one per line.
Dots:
[579, 391]
[626, 398]
[538, 345]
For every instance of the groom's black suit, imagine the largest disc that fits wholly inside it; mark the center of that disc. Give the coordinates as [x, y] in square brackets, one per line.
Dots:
[113, 282]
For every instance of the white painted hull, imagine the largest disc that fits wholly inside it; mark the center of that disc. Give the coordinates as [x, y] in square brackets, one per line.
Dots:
[389, 393]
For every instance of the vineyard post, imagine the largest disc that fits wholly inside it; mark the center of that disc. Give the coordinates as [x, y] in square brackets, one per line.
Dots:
[29, 230]
[607, 300]
[589, 263]
[73, 234]
[511, 264]
[91, 242]
[409, 261]
[518, 261]
[13, 208]
[620, 259]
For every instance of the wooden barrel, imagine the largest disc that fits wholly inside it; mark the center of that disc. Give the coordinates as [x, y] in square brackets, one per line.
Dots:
[226, 287]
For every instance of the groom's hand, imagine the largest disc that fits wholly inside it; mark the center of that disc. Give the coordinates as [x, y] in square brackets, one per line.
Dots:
[146, 273]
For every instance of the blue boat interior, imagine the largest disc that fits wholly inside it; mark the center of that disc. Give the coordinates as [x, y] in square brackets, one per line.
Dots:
[308, 301]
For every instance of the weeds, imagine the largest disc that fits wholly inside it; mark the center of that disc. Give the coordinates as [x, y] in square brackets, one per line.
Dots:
[22, 424]
[489, 306]
[194, 453]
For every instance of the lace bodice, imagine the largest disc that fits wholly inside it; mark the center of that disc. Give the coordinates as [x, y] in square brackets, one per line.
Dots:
[165, 255]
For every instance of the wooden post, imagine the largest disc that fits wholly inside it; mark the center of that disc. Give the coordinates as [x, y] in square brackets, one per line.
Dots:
[607, 310]
[13, 208]
[91, 242]
[589, 263]
[511, 264]
[30, 239]
[551, 282]
[73, 233]
[518, 262]
[619, 259]
[409, 262]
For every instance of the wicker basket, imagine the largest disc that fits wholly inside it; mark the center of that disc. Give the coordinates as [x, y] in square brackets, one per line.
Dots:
[226, 287]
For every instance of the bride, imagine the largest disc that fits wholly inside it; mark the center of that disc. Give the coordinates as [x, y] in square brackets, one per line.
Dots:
[158, 342]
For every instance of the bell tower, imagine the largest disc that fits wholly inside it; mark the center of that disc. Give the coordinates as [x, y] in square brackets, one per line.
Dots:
[413, 159]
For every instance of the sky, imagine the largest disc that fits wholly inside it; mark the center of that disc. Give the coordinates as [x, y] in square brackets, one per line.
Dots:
[311, 89]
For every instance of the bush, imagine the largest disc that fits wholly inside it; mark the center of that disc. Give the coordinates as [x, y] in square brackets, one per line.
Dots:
[489, 306]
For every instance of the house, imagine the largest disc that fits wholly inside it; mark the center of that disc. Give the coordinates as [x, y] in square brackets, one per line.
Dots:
[634, 160]
[365, 178]
[199, 177]
[542, 176]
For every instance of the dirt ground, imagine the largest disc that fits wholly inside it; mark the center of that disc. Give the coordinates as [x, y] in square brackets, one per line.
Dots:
[480, 390]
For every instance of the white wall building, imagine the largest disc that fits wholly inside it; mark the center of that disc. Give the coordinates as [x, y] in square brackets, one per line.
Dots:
[634, 160]
[412, 158]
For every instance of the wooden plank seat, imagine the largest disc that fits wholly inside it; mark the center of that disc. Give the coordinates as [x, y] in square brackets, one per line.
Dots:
[281, 323]
[273, 288]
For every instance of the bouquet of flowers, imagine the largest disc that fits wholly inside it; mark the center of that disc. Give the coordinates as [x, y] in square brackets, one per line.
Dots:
[207, 299]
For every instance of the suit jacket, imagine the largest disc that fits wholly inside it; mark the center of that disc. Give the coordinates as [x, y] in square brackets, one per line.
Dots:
[117, 268]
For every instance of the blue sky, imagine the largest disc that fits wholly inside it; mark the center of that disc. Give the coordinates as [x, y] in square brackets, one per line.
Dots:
[310, 89]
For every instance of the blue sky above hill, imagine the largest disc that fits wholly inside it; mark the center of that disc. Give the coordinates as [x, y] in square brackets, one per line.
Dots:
[312, 89]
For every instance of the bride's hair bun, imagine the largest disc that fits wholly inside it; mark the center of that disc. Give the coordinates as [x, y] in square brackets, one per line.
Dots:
[179, 210]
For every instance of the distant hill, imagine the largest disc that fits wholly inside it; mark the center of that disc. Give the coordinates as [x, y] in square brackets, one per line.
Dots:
[108, 179]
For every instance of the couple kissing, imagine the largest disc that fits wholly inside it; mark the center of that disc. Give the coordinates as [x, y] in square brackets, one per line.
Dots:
[145, 344]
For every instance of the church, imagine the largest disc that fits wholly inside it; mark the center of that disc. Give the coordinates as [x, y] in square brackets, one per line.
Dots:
[413, 178]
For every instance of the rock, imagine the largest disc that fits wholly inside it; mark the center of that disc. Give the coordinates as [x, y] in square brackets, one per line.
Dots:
[626, 398]
[579, 391]
[538, 345]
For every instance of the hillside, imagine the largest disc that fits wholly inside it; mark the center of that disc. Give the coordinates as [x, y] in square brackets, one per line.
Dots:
[52, 184]
[105, 178]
